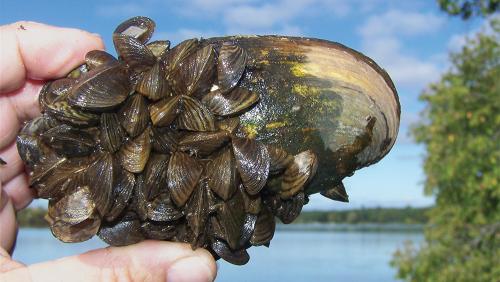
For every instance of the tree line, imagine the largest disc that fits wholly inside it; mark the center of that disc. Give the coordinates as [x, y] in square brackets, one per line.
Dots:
[406, 215]
[34, 217]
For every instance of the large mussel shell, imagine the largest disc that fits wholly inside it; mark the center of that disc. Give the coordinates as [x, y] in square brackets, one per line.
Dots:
[327, 91]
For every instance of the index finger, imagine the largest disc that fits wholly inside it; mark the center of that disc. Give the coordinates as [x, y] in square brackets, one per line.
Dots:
[39, 51]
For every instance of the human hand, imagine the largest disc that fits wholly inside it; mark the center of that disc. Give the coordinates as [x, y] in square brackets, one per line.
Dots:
[29, 54]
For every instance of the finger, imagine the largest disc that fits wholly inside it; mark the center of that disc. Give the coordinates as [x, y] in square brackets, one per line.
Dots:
[6, 262]
[16, 108]
[19, 191]
[14, 164]
[41, 51]
[9, 124]
[8, 224]
[149, 260]
[25, 99]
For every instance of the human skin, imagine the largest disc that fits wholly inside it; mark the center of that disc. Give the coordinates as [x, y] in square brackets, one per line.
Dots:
[29, 54]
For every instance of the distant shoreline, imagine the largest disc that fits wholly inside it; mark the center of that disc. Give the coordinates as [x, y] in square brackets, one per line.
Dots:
[364, 219]
[352, 227]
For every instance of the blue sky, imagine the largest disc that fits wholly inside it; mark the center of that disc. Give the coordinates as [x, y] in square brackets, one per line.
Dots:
[410, 39]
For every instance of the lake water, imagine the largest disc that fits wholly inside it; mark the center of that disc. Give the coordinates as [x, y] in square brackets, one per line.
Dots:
[338, 253]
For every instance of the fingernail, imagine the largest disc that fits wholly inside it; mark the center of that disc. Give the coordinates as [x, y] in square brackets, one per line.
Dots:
[192, 269]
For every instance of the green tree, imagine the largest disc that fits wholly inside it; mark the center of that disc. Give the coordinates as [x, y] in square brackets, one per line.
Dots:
[468, 8]
[461, 133]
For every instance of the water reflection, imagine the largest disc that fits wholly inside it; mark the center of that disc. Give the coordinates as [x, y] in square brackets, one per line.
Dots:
[295, 255]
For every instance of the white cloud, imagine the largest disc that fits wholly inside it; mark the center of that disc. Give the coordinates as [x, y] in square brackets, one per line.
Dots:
[257, 17]
[405, 69]
[396, 22]
[222, 7]
[122, 10]
[459, 40]
[215, 6]
[380, 40]
[264, 18]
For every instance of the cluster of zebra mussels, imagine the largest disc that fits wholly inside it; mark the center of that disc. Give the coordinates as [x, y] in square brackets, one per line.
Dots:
[149, 146]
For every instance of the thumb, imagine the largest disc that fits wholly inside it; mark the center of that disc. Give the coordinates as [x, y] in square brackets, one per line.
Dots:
[38, 51]
[146, 261]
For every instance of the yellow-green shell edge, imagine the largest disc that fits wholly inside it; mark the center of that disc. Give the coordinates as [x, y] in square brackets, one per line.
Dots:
[319, 95]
